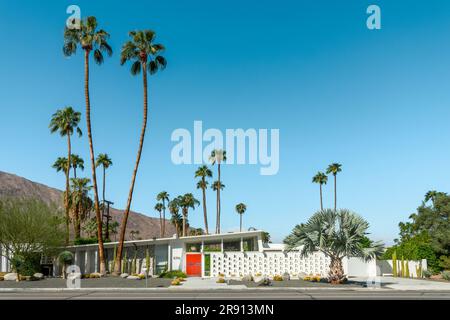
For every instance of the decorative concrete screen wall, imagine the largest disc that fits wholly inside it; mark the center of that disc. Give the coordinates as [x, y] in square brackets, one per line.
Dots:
[236, 264]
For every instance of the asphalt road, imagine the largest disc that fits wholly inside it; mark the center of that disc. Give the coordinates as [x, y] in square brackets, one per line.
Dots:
[228, 294]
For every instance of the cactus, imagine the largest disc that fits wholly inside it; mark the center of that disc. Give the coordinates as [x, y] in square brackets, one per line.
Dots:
[147, 261]
[133, 263]
[403, 268]
[394, 264]
[124, 263]
[419, 271]
[407, 275]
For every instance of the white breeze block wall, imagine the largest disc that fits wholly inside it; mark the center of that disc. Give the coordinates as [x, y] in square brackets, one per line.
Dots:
[238, 264]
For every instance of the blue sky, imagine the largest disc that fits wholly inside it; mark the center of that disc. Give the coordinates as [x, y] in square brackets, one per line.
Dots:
[375, 101]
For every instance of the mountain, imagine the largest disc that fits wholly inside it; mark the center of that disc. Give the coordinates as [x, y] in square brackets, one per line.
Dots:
[15, 186]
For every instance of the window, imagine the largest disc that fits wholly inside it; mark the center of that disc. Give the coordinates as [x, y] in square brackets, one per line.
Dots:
[232, 245]
[193, 247]
[212, 247]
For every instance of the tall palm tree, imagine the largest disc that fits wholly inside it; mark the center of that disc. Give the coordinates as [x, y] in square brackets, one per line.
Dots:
[105, 161]
[337, 234]
[185, 202]
[218, 156]
[90, 39]
[320, 178]
[163, 196]
[334, 168]
[240, 209]
[176, 218]
[60, 164]
[65, 121]
[160, 207]
[145, 55]
[81, 203]
[204, 172]
[76, 162]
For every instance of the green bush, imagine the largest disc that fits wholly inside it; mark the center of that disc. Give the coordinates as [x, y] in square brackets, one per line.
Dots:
[26, 264]
[445, 275]
[427, 273]
[173, 274]
[81, 241]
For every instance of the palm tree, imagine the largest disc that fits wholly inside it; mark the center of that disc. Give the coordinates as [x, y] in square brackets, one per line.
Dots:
[240, 209]
[185, 202]
[337, 234]
[76, 162]
[334, 168]
[430, 195]
[105, 161]
[81, 203]
[60, 164]
[91, 40]
[160, 207]
[204, 172]
[163, 196]
[218, 156]
[145, 55]
[176, 218]
[65, 121]
[320, 178]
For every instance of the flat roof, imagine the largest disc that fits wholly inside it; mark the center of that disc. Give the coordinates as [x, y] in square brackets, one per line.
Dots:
[204, 237]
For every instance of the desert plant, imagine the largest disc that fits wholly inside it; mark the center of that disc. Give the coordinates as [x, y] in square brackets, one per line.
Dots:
[419, 271]
[445, 275]
[277, 278]
[220, 280]
[173, 274]
[394, 264]
[427, 274]
[407, 275]
[402, 271]
[147, 261]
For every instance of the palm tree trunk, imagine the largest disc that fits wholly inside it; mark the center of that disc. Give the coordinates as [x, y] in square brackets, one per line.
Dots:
[98, 217]
[205, 215]
[69, 150]
[184, 225]
[164, 219]
[321, 202]
[123, 226]
[75, 172]
[104, 184]
[77, 223]
[240, 224]
[335, 194]
[160, 225]
[218, 200]
[336, 273]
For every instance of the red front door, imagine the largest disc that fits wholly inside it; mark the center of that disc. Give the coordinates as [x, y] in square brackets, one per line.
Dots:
[194, 264]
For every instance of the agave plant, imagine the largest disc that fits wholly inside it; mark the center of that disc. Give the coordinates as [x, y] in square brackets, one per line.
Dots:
[337, 234]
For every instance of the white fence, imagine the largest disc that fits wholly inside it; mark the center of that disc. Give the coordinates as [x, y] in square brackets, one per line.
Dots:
[238, 264]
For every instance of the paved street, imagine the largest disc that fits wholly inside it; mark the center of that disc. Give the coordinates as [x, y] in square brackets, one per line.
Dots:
[219, 294]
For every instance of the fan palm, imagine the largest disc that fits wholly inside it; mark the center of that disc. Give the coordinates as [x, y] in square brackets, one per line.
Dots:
[337, 234]
[90, 39]
[204, 172]
[185, 202]
[176, 218]
[105, 161]
[320, 178]
[76, 162]
[145, 56]
[81, 203]
[163, 196]
[240, 209]
[160, 207]
[218, 156]
[65, 121]
[334, 168]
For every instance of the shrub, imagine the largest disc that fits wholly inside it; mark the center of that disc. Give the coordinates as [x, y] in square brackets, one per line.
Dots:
[173, 274]
[81, 241]
[220, 280]
[277, 278]
[175, 282]
[427, 273]
[1, 278]
[445, 275]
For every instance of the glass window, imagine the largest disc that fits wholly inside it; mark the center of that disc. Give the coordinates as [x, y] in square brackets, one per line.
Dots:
[193, 247]
[232, 245]
[212, 247]
[250, 244]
